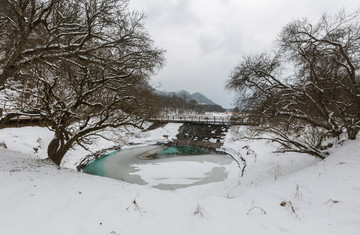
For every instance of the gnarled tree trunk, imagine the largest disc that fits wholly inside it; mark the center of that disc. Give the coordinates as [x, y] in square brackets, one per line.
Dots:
[352, 133]
[56, 151]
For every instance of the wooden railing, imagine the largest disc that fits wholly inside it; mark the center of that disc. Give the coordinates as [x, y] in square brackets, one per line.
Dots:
[199, 119]
[211, 120]
[19, 121]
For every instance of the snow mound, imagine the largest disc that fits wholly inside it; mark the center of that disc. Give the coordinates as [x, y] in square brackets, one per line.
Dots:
[278, 194]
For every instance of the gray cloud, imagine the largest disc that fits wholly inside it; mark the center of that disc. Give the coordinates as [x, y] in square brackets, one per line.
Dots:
[206, 39]
[171, 13]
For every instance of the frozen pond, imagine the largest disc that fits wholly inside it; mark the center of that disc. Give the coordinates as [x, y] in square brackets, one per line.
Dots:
[163, 168]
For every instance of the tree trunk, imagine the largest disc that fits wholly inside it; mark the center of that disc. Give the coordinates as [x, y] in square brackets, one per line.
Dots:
[56, 152]
[58, 156]
[53, 147]
[352, 133]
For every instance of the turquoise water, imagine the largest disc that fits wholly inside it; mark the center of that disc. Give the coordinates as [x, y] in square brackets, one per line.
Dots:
[124, 165]
[183, 150]
[96, 167]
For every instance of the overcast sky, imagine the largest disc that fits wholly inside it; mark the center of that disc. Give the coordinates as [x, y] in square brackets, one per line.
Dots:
[205, 39]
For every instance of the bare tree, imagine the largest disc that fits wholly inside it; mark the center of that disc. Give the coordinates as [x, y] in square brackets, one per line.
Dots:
[328, 59]
[83, 66]
[37, 32]
[309, 83]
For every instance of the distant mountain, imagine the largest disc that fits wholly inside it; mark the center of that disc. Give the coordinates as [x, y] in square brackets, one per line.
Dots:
[198, 97]
[201, 99]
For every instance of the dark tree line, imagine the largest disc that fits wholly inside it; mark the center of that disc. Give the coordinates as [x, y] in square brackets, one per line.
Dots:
[82, 65]
[177, 104]
[308, 89]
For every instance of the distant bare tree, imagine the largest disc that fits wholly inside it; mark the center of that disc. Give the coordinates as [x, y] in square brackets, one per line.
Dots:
[310, 83]
[82, 65]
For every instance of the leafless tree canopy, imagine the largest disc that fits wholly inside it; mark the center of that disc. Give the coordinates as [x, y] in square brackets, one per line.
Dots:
[37, 32]
[82, 65]
[309, 84]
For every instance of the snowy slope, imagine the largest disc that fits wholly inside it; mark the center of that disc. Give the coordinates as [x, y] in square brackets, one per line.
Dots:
[279, 194]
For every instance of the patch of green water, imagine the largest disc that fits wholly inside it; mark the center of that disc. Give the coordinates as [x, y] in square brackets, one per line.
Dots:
[96, 167]
[183, 150]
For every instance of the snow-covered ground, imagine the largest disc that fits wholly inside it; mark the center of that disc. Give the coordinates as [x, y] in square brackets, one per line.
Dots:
[278, 194]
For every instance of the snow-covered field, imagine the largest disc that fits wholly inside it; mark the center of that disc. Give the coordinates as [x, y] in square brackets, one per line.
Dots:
[278, 194]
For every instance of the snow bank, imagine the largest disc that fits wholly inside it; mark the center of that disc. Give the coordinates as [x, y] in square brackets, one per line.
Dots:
[279, 194]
